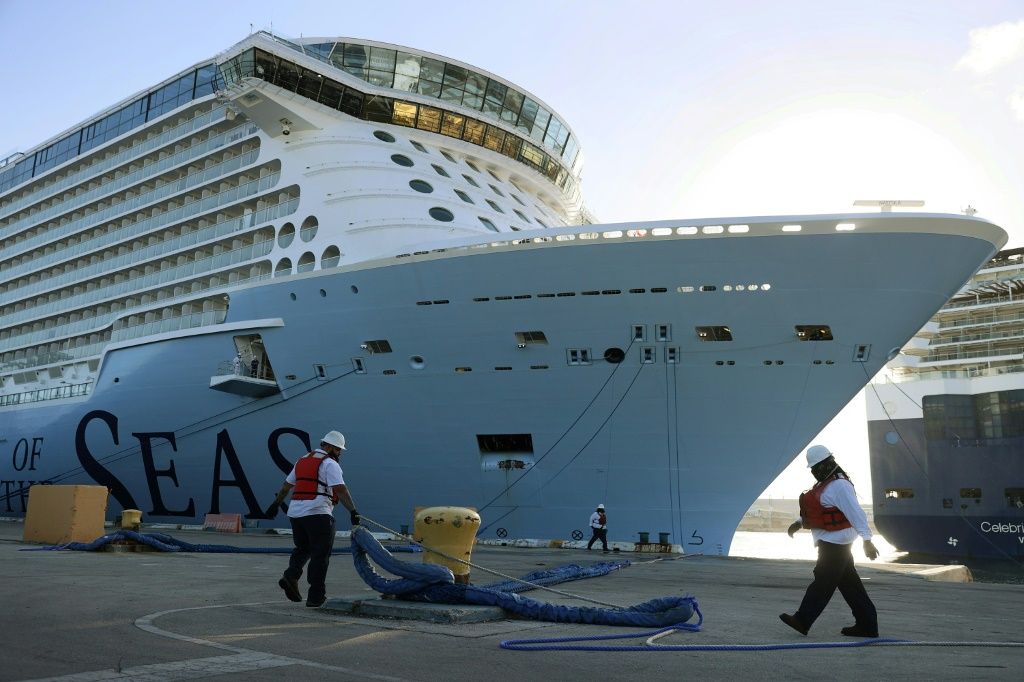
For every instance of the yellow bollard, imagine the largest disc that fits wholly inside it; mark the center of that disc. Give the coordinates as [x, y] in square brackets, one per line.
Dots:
[131, 519]
[451, 530]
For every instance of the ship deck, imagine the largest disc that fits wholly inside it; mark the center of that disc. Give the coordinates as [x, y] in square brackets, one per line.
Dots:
[82, 615]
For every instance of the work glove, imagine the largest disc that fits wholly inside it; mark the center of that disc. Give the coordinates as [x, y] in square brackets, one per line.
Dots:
[794, 527]
[355, 517]
[870, 550]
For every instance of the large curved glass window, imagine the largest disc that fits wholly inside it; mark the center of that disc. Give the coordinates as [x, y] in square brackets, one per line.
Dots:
[541, 141]
[284, 267]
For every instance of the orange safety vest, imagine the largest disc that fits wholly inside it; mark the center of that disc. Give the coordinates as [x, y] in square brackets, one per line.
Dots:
[814, 515]
[307, 479]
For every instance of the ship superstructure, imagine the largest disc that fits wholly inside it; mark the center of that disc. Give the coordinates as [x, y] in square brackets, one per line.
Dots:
[946, 424]
[295, 237]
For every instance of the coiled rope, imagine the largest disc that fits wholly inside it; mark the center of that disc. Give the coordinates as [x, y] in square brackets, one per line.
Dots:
[433, 583]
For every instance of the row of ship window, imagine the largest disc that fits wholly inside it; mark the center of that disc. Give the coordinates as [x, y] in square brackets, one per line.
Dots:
[312, 85]
[1014, 496]
[194, 84]
[450, 83]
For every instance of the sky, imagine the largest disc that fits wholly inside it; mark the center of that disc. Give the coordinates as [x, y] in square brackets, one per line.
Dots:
[684, 108]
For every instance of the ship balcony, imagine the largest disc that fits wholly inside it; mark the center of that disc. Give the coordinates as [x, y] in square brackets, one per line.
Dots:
[929, 330]
[984, 337]
[972, 357]
[982, 321]
[243, 383]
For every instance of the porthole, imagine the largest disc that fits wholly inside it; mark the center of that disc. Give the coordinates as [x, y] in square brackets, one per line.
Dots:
[309, 228]
[383, 136]
[442, 214]
[439, 170]
[323, 294]
[416, 362]
[330, 257]
[401, 160]
[488, 224]
[448, 156]
[307, 262]
[614, 355]
[462, 195]
[892, 438]
[286, 236]
[421, 186]
[354, 288]
[292, 296]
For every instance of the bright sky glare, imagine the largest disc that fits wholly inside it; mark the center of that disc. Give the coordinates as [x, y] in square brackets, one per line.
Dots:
[684, 108]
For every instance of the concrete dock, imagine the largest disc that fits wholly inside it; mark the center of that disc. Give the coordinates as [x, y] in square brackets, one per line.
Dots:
[157, 616]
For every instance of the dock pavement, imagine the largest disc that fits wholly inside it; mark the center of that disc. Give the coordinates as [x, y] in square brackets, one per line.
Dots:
[79, 616]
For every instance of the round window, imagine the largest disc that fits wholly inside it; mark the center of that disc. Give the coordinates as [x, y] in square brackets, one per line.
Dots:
[421, 186]
[286, 236]
[383, 136]
[401, 160]
[442, 214]
[309, 228]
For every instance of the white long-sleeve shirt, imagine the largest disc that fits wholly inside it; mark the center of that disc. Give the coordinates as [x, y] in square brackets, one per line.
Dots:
[840, 493]
[595, 520]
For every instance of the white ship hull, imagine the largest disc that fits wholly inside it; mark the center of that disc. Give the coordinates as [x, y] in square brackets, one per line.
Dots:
[679, 447]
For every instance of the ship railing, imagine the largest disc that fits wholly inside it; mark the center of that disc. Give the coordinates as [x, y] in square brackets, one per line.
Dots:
[244, 370]
[933, 374]
[967, 338]
[149, 169]
[90, 350]
[174, 215]
[986, 319]
[213, 116]
[54, 393]
[162, 248]
[136, 285]
[991, 352]
[986, 300]
[132, 204]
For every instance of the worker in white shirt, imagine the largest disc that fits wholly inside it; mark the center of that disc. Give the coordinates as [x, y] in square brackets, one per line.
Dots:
[599, 526]
[831, 511]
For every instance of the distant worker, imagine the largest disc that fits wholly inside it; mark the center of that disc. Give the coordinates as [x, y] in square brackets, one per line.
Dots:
[599, 526]
[830, 509]
[255, 367]
[236, 364]
[318, 487]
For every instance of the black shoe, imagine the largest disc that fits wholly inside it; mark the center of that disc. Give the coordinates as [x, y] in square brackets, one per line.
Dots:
[794, 622]
[859, 631]
[291, 589]
[315, 603]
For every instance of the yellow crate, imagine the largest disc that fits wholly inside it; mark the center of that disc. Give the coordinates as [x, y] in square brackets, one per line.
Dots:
[58, 514]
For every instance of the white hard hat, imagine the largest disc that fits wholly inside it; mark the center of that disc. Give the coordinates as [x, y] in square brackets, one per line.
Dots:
[600, 506]
[816, 454]
[334, 438]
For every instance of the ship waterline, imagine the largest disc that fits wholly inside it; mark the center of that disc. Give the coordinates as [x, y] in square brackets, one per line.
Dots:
[413, 265]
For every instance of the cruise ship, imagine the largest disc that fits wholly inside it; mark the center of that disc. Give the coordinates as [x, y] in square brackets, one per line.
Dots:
[946, 425]
[331, 233]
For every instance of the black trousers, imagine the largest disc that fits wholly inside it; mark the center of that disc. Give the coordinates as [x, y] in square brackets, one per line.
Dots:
[314, 539]
[835, 569]
[599, 534]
